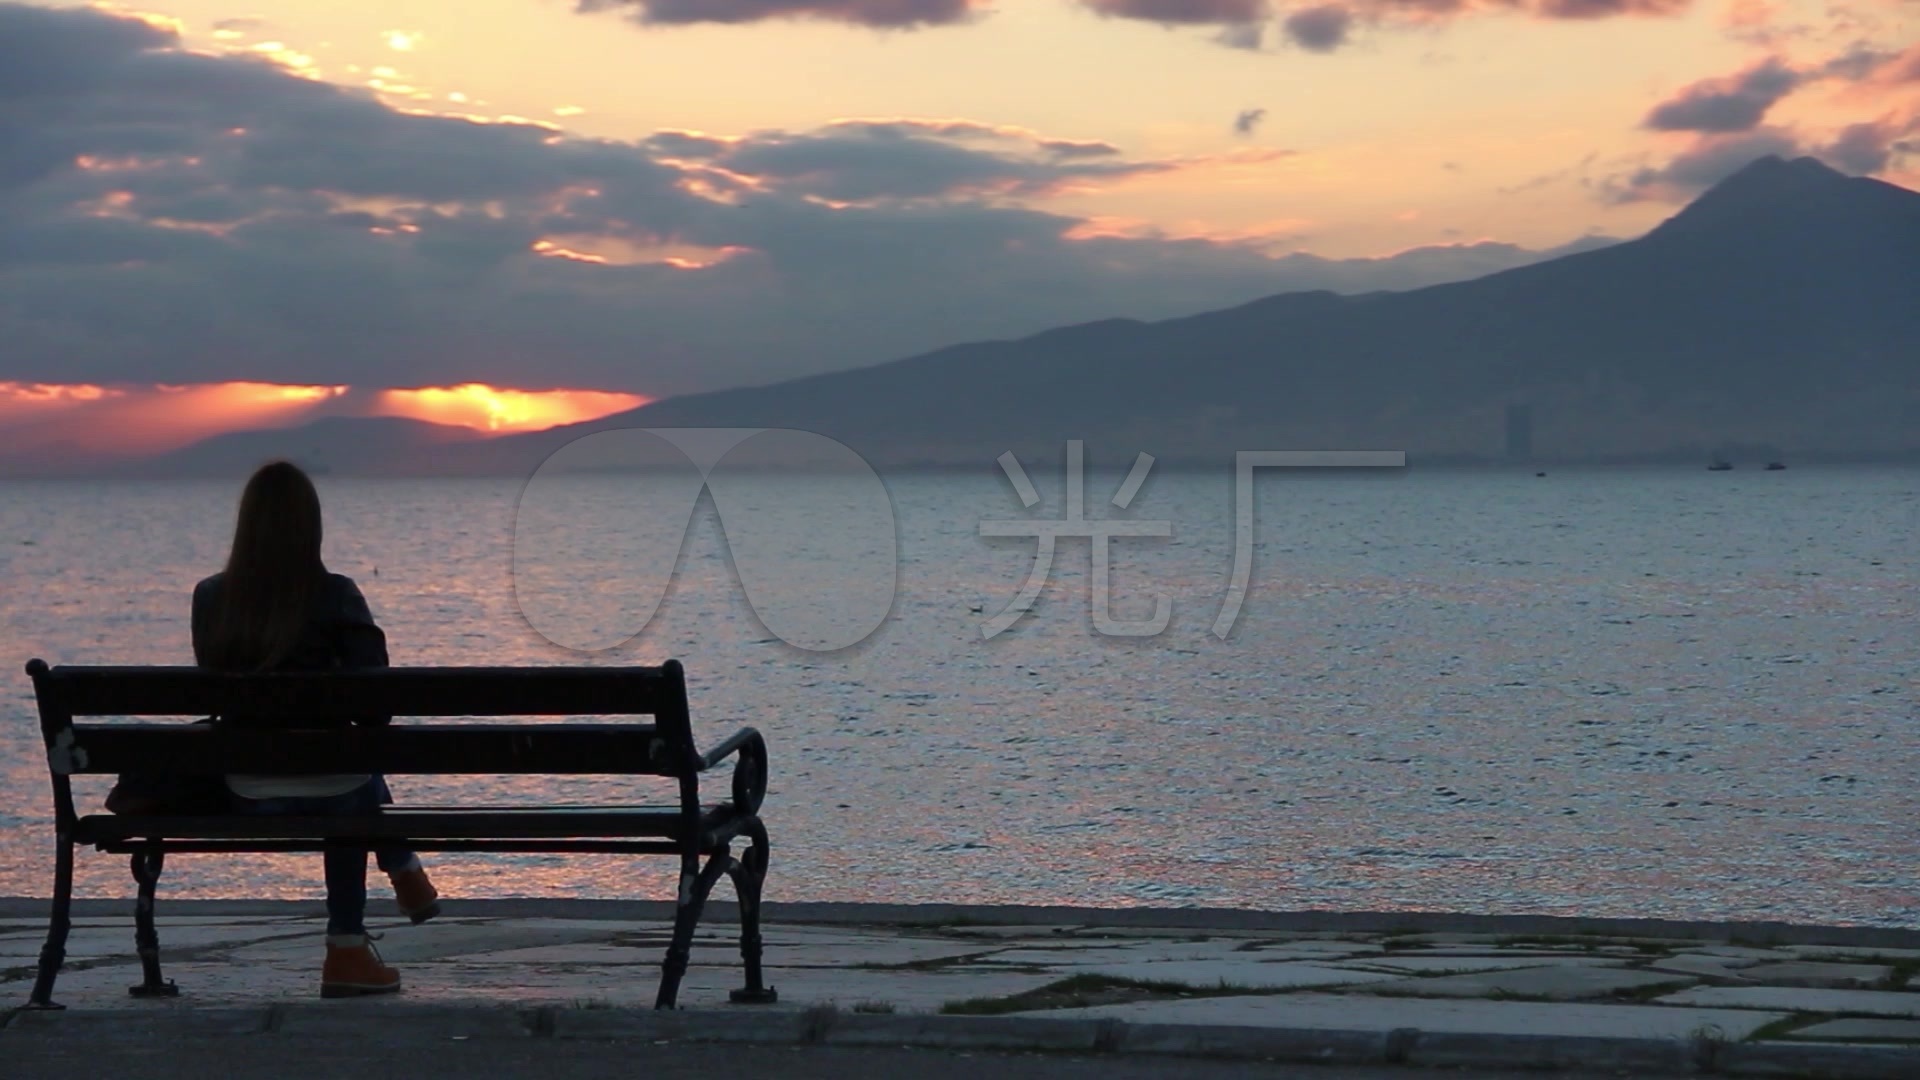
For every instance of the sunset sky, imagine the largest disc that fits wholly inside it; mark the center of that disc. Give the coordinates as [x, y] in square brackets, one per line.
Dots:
[653, 197]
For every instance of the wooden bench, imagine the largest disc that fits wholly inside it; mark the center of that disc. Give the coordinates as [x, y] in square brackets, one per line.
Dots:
[691, 829]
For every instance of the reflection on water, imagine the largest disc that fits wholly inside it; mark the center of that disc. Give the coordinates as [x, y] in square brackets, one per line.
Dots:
[1662, 693]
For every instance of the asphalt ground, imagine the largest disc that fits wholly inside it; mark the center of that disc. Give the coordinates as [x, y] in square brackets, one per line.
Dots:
[51, 1054]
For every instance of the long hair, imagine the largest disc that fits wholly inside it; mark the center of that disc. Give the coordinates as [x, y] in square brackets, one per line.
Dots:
[274, 573]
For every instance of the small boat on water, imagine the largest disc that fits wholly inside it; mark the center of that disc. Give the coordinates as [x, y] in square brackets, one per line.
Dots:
[1776, 466]
[1719, 464]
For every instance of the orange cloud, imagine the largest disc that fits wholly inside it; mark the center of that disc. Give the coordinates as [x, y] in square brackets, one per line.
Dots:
[18, 396]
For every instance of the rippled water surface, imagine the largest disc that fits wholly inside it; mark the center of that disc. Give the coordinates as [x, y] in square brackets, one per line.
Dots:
[1619, 692]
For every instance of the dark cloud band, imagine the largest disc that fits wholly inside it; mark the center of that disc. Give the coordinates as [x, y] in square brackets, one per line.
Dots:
[1317, 27]
[170, 216]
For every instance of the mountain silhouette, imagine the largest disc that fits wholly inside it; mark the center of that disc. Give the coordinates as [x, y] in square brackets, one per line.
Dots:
[1756, 188]
[363, 446]
[1777, 310]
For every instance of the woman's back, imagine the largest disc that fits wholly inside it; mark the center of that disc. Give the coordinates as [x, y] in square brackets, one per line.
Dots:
[276, 608]
[337, 630]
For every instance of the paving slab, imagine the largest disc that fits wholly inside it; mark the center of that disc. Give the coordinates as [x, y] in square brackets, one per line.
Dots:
[778, 951]
[606, 927]
[1841, 953]
[584, 953]
[1732, 963]
[986, 944]
[203, 984]
[784, 951]
[1818, 974]
[1549, 948]
[528, 986]
[11, 926]
[1341, 1012]
[1067, 955]
[212, 985]
[831, 937]
[1205, 974]
[789, 931]
[1869, 1002]
[1316, 949]
[1094, 928]
[1711, 968]
[904, 991]
[1744, 952]
[1036, 932]
[1861, 1029]
[81, 945]
[1424, 964]
[215, 984]
[431, 941]
[101, 941]
[1551, 983]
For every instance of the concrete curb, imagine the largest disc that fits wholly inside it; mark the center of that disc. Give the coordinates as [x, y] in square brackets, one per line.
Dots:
[375, 1022]
[960, 915]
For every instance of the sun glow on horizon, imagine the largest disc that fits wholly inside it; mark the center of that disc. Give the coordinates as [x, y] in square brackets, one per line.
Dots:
[502, 411]
[118, 419]
[126, 419]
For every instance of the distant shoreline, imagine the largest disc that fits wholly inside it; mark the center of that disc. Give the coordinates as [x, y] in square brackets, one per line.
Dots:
[1184, 465]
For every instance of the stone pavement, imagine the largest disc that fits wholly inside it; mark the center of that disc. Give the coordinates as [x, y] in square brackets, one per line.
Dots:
[1272, 987]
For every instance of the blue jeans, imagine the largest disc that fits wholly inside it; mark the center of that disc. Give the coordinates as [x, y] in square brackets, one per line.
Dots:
[346, 866]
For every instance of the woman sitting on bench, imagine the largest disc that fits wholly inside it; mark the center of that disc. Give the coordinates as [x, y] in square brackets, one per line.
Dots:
[276, 608]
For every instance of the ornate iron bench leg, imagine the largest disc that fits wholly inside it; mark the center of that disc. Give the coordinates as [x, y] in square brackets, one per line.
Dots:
[693, 897]
[146, 871]
[54, 952]
[749, 872]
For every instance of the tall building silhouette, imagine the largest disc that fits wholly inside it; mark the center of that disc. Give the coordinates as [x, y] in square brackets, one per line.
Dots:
[1519, 433]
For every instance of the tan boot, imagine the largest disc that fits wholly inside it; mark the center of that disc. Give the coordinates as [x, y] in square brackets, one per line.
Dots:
[354, 968]
[415, 894]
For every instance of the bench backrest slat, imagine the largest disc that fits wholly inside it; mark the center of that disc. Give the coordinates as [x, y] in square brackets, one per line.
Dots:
[191, 691]
[506, 749]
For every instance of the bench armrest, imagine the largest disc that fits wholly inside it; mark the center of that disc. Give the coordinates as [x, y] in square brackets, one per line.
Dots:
[726, 748]
[749, 772]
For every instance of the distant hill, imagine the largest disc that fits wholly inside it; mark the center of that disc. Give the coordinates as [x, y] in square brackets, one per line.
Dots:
[1781, 308]
[359, 446]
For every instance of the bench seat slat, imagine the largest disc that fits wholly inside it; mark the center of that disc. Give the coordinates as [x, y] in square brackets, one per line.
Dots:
[401, 824]
[243, 847]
